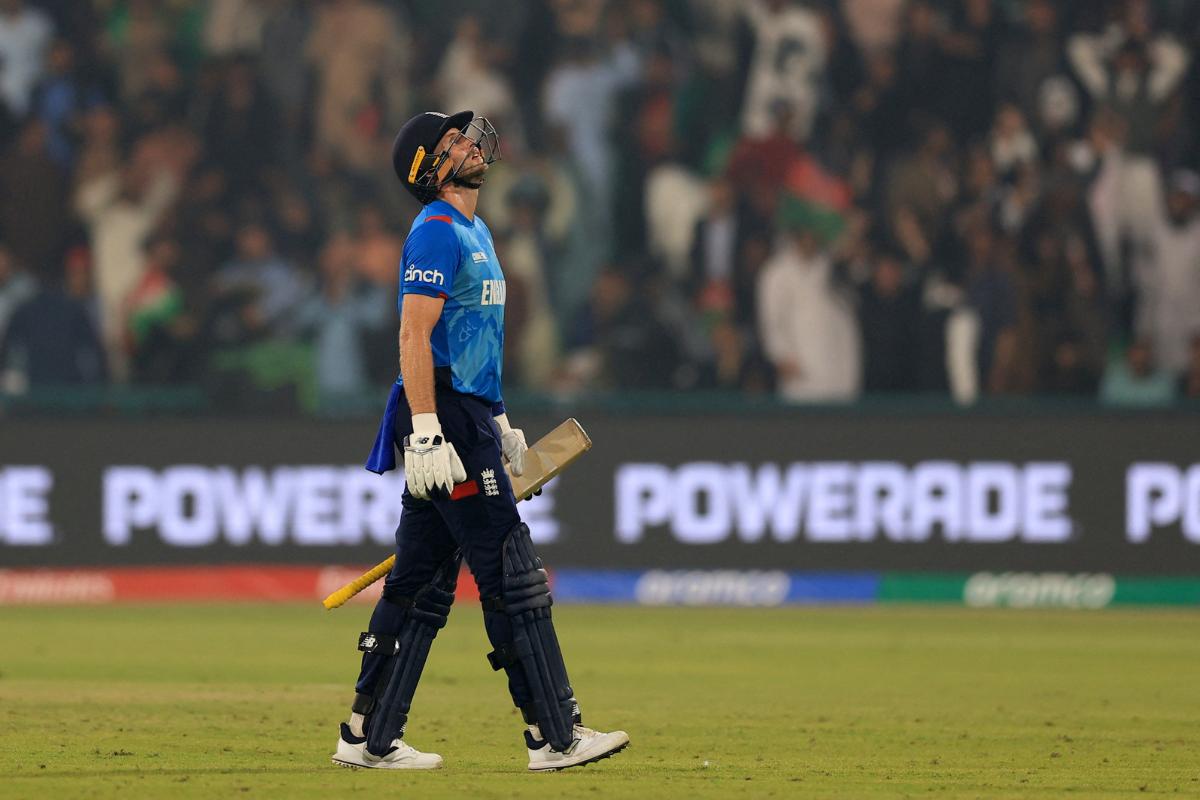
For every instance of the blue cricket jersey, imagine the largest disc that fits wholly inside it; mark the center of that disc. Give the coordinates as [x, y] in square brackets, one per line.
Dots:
[449, 256]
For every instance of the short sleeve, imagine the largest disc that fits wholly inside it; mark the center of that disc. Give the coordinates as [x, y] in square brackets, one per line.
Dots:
[431, 259]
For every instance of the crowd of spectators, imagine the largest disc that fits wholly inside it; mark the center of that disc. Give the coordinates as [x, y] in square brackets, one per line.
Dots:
[818, 200]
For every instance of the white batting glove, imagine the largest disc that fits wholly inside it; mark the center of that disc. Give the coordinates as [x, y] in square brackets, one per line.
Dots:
[430, 463]
[512, 442]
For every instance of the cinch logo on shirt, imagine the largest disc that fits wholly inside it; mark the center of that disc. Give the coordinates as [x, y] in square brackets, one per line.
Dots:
[477, 257]
[426, 275]
[493, 293]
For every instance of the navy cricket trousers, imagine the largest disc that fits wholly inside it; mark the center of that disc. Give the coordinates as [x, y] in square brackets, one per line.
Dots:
[475, 519]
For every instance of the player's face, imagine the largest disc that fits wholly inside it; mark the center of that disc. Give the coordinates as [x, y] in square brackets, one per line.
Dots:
[463, 151]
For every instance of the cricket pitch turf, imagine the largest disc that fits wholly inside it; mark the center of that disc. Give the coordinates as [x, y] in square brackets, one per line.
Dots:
[904, 701]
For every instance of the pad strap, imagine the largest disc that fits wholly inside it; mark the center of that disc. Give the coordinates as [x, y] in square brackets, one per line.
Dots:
[503, 656]
[379, 643]
[363, 704]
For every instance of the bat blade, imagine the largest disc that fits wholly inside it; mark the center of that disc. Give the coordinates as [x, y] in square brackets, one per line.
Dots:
[549, 456]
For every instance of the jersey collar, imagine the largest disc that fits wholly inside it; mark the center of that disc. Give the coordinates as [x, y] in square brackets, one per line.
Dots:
[442, 207]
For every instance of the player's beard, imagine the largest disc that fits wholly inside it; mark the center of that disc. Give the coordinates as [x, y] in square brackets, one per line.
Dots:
[473, 179]
[468, 182]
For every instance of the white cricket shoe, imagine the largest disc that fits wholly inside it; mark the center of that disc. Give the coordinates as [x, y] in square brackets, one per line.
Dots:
[588, 746]
[352, 752]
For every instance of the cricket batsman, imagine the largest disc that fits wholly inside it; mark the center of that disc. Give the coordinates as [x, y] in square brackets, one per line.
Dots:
[447, 415]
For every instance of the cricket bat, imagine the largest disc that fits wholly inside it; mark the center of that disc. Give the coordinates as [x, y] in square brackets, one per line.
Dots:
[545, 459]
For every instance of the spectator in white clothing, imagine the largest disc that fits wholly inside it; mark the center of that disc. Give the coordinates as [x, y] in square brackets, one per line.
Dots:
[580, 97]
[809, 331]
[121, 207]
[1132, 74]
[25, 36]
[1167, 274]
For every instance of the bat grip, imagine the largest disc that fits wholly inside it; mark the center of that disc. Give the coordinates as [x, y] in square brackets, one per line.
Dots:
[355, 586]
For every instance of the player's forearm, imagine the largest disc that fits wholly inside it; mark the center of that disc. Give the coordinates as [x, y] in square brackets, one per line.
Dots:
[416, 370]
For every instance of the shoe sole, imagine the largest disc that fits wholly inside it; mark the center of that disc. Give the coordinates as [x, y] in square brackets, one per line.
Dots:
[352, 765]
[591, 760]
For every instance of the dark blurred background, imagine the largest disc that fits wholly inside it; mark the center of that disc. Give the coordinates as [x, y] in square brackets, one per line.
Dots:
[763, 200]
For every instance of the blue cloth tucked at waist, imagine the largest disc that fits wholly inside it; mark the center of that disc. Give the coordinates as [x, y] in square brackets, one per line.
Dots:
[383, 454]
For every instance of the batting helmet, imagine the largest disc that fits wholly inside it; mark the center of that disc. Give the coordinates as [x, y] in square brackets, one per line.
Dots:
[416, 160]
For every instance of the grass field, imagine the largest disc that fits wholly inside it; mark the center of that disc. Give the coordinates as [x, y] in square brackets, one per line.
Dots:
[222, 701]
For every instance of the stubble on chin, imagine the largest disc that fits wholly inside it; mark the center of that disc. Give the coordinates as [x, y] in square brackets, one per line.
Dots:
[477, 171]
[472, 178]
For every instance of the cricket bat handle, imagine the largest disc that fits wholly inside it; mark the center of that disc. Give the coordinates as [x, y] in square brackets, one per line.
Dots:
[355, 586]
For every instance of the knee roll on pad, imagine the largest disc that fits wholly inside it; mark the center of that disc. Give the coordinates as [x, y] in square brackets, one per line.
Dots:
[427, 611]
[534, 644]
